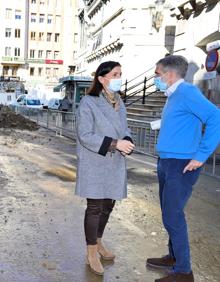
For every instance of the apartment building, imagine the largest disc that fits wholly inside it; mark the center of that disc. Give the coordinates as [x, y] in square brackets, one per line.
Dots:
[13, 34]
[135, 33]
[39, 40]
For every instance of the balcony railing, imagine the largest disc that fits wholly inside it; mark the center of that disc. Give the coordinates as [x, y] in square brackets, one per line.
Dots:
[13, 59]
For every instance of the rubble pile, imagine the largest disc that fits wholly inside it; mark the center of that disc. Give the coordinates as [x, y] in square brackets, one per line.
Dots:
[9, 119]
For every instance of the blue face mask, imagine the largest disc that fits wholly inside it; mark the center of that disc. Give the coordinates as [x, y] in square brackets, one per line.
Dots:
[160, 85]
[114, 85]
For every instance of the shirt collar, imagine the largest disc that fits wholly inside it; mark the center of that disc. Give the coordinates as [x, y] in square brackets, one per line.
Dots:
[173, 87]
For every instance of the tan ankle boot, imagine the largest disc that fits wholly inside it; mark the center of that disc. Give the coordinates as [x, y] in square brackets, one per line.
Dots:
[93, 260]
[104, 253]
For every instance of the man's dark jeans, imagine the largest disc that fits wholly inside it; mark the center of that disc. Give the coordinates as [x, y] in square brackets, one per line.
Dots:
[175, 189]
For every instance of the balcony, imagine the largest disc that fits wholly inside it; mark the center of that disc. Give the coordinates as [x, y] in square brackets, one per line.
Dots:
[36, 61]
[13, 60]
[93, 6]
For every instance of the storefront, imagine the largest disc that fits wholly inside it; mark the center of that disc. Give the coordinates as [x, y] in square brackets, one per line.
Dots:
[74, 87]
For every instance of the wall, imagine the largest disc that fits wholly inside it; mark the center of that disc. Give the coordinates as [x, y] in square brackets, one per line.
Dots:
[193, 33]
[143, 28]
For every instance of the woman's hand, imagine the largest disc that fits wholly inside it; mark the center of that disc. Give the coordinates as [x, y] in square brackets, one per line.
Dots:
[125, 146]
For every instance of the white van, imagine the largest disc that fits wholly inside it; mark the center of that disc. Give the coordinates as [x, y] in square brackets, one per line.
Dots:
[29, 102]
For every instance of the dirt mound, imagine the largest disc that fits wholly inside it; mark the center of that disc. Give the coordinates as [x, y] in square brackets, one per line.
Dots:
[9, 119]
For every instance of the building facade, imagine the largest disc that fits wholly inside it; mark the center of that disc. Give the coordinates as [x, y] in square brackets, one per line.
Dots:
[135, 33]
[13, 34]
[197, 25]
[39, 40]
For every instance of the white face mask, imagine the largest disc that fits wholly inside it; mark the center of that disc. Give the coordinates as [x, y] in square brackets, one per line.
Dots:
[114, 85]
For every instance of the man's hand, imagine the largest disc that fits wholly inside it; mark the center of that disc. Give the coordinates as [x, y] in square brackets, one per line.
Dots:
[192, 165]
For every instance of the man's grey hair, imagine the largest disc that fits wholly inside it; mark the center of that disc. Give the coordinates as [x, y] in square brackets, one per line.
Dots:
[175, 63]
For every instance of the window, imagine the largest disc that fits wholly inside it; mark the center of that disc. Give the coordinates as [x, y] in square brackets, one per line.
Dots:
[41, 36]
[55, 71]
[42, 2]
[33, 17]
[58, 20]
[17, 33]
[40, 70]
[33, 1]
[57, 37]
[49, 19]
[56, 55]
[17, 52]
[40, 54]
[17, 14]
[31, 71]
[8, 98]
[33, 35]
[32, 53]
[48, 71]
[5, 70]
[49, 34]
[7, 51]
[57, 3]
[8, 13]
[14, 71]
[41, 19]
[8, 32]
[48, 54]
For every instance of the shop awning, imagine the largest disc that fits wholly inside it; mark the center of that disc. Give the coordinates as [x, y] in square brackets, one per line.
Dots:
[58, 87]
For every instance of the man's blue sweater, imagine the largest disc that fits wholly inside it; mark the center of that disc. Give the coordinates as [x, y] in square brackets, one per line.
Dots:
[183, 117]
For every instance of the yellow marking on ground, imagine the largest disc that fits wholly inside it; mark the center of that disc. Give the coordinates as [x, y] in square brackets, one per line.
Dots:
[64, 173]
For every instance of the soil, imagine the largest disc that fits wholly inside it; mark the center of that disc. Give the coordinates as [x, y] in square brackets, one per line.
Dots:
[42, 237]
[9, 119]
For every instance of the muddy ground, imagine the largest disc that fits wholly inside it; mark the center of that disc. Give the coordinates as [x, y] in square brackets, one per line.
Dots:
[41, 236]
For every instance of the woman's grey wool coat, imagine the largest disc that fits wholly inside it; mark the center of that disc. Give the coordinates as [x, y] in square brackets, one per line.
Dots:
[100, 174]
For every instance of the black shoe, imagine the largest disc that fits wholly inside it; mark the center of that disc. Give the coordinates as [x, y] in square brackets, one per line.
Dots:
[177, 277]
[164, 262]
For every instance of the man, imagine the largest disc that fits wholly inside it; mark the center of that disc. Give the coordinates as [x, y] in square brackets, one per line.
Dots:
[183, 148]
[65, 106]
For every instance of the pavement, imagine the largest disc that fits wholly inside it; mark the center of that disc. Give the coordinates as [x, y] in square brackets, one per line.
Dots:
[42, 237]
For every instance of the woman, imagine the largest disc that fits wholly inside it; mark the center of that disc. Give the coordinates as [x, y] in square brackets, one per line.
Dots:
[103, 141]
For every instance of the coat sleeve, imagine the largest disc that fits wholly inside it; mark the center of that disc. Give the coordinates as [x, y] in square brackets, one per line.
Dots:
[85, 120]
[127, 130]
[209, 115]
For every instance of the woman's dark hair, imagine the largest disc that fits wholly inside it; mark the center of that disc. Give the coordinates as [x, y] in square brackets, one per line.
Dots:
[102, 70]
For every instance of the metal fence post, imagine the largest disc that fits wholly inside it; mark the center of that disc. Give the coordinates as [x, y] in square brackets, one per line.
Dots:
[47, 118]
[126, 89]
[144, 91]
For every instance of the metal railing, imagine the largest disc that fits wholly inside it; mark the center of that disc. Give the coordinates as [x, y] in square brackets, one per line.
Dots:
[137, 87]
[138, 91]
[145, 139]
[62, 123]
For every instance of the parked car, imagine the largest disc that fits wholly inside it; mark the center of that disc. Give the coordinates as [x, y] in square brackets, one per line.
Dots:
[29, 102]
[54, 103]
